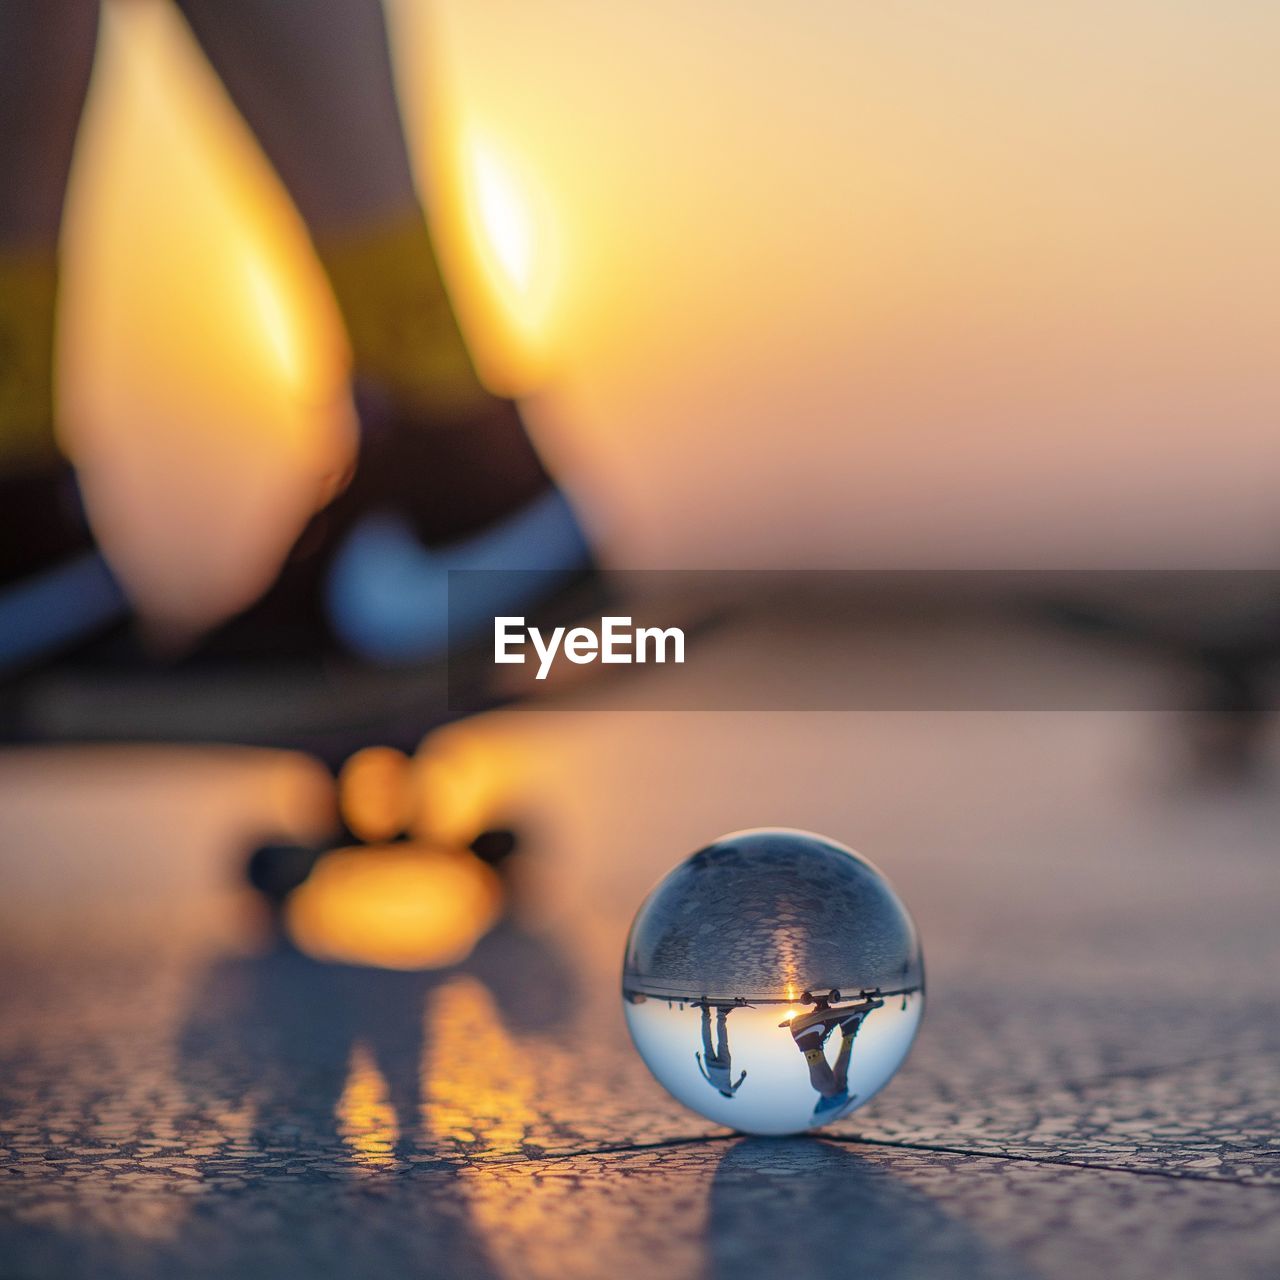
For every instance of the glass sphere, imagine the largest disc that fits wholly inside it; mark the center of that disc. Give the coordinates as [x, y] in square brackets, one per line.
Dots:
[773, 981]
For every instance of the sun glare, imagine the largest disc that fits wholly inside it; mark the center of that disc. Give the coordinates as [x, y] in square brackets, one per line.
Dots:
[504, 220]
[512, 234]
[275, 321]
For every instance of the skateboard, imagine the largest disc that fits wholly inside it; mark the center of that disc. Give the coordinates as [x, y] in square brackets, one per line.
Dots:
[828, 1008]
[377, 731]
[634, 994]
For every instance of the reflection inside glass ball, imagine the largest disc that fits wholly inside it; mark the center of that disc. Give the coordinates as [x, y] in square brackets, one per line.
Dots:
[773, 981]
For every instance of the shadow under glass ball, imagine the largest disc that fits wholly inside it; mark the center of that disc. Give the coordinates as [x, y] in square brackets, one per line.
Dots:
[773, 982]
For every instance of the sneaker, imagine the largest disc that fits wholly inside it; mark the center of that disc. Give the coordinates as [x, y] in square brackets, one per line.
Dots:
[367, 578]
[369, 575]
[826, 1017]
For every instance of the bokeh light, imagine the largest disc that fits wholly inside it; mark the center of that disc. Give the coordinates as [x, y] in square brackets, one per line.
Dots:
[463, 777]
[403, 906]
[376, 794]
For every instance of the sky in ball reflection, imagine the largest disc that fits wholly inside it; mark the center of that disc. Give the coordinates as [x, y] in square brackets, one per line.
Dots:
[776, 1095]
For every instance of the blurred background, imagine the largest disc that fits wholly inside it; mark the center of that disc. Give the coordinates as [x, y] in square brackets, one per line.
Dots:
[858, 286]
[868, 286]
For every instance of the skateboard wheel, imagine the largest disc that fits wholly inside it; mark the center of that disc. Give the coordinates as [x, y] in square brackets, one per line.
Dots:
[376, 794]
[495, 846]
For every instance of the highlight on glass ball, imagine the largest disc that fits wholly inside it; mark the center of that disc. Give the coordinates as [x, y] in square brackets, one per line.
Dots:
[773, 981]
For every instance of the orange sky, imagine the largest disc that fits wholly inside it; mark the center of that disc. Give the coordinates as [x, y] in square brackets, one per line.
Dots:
[878, 284]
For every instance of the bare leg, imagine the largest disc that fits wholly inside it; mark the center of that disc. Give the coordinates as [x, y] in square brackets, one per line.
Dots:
[314, 81]
[315, 84]
[446, 458]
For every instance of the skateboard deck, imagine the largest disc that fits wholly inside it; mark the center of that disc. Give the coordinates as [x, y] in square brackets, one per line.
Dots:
[332, 711]
[639, 992]
[329, 708]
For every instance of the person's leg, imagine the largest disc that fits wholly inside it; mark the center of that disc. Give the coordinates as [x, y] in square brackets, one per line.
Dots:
[722, 1036]
[315, 84]
[820, 1074]
[55, 588]
[708, 1050]
[841, 1070]
[449, 464]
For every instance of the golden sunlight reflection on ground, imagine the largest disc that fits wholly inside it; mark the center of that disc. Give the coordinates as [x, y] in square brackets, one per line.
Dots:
[366, 1119]
[478, 1094]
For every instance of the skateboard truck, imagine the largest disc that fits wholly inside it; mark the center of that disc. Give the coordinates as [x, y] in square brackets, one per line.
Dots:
[867, 1000]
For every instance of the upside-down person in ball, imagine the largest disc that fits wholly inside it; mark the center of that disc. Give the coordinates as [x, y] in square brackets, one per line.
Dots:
[445, 475]
[714, 1062]
[811, 1031]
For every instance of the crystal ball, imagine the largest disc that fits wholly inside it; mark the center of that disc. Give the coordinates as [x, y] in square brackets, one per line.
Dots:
[773, 981]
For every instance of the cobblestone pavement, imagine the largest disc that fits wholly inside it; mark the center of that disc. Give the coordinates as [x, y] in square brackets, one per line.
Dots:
[1095, 1089]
